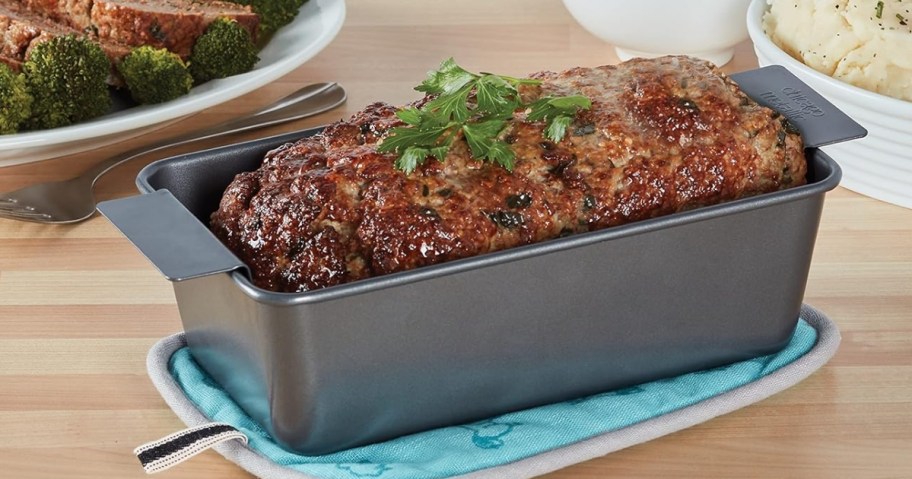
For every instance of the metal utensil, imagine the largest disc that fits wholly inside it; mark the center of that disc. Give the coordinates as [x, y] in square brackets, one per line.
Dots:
[72, 200]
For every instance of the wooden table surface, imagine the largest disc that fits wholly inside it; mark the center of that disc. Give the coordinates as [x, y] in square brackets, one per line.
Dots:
[80, 307]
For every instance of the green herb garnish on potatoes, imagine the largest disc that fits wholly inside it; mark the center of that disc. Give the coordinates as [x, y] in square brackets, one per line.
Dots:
[475, 107]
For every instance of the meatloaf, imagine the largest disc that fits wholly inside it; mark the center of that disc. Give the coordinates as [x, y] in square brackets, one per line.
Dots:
[171, 24]
[117, 25]
[662, 136]
[21, 29]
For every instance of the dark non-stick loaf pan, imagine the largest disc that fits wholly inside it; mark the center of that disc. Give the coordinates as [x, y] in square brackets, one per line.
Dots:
[460, 341]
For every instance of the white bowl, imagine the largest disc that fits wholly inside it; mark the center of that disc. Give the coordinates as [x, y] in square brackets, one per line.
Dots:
[707, 29]
[879, 165]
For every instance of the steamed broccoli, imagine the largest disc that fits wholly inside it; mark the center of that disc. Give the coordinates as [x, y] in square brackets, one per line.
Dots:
[225, 49]
[155, 75]
[274, 14]
[66, 76]
[15, 100]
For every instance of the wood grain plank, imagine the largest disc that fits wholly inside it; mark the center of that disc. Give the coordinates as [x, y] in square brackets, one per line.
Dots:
[850, 384]
[96, 391]
[65, 428]
[10, 229]
[848, 279]
[143, 286]
[41, 254]
[456, 14]
[866, 246]
[74, 356]
[853, 313]
[89, 321]
[108, 461]
[684, 456]
[863, 421]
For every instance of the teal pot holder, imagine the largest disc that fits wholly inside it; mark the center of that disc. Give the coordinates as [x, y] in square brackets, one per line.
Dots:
[515, 445]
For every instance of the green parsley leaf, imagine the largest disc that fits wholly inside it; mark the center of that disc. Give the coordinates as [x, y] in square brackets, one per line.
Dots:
[494, 95]
[447, 78]
[490, 128]
[558, 113]
[501, 154]
[482, 136]
[410, 116]
[402, 138]
[516, 81]
[484, 143]
[478, 143]
[571, 102]
[440, 152]
[548, 107]
[557, 128]
[432, 129]
[433, 119]
[411, 158]
[414, 156]
[452, 106]
[539, 109]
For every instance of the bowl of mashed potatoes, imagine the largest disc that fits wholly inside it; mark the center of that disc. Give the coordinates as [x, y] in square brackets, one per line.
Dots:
[858, 54]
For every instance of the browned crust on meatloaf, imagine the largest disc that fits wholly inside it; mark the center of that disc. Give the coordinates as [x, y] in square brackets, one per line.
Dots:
[662, 136]
[15, 38]
[21, 29]
[75, 13]
[171, 24]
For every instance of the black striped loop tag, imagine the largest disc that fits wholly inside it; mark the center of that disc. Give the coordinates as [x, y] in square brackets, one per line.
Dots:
[170, 451]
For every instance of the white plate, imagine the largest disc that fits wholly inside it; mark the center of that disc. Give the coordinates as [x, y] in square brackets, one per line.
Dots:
[313, 29]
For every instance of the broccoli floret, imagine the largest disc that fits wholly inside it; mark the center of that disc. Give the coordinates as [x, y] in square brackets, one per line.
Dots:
[155, 75]
[15, 100]
[66, 76]
[225, 49]
[274, 14]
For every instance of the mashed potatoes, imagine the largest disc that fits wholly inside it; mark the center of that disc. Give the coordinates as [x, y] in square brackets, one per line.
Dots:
[867, 43]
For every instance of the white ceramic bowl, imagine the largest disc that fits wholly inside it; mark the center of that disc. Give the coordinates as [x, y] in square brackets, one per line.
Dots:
[707, 29]
[880, 165]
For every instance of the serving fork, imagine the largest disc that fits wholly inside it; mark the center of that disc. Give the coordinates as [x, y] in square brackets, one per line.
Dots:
[73, 200]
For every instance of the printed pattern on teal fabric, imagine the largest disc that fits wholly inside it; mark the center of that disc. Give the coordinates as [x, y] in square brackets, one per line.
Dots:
[504, 439]
[489, 434]
[364, 469]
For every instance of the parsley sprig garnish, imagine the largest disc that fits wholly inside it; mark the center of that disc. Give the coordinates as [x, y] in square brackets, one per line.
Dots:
[432, 129]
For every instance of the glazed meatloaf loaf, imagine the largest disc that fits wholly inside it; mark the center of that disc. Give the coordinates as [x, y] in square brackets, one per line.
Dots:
[116, 25]
[661, 136]
[22, 28]
[171, 24]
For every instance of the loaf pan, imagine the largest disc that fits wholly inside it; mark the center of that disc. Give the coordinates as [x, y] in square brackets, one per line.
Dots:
[456, 342]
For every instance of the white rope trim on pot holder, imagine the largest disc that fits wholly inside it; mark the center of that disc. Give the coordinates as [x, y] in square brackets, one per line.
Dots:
[157, 456]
